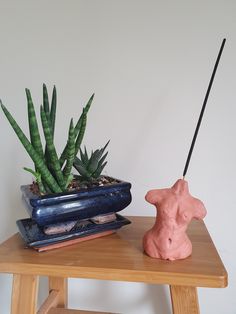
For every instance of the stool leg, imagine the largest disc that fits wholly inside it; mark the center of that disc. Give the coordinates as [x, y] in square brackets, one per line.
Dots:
[60, 284]
[24, 294]
[184, 300]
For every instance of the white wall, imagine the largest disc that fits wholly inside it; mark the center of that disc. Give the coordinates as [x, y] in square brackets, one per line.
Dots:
[149, 63]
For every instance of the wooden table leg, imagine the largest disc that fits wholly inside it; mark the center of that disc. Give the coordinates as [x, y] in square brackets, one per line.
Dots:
[184, 300]
[61, 285]
[24, 294]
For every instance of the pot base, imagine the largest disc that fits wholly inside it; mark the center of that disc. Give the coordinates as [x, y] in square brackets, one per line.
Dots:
[34, 236]
[74, 241]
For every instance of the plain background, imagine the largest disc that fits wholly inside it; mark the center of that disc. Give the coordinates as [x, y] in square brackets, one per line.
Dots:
[149, 63]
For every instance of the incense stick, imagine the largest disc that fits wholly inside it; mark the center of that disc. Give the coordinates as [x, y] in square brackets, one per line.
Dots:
[203, 109]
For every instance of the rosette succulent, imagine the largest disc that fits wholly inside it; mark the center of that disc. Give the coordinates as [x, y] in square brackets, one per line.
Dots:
[91, 167]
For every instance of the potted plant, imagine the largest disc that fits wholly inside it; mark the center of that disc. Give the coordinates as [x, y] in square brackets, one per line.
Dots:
[57, 199]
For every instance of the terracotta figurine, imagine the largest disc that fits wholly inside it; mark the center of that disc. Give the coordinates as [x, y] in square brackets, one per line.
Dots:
[167, 239]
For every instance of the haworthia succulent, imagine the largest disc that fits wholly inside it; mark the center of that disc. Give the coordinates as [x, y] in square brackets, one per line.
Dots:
[101, 151]
[40, 165]
[86, 154]
[83, 156]
[93, 162]
[91, 167]
[100, 163]
[96, 159]
[71, 153]
[81, 168]
[51, 150]
[33, 125]
[98, 172]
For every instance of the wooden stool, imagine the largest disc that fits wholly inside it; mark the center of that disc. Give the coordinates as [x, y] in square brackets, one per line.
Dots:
[116, 257]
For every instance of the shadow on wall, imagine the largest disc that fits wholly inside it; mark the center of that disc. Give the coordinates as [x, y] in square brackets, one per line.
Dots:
[119, 297]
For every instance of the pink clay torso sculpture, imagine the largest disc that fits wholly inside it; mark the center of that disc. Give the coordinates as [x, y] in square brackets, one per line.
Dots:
[167, 239]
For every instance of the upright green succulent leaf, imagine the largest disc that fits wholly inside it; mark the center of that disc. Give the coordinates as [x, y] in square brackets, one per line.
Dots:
[45, 100]
[71, 153]
[33, 125]
[77, 142]
[80, 136]
[54, 161]
[80, 126]
[69, 179]
[85, 110]
[88, 105]
[40, 165]
[53, 109]
[47, 112]
[47, 189]
[51, 116]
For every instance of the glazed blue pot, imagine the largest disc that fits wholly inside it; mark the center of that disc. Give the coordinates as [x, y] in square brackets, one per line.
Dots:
[82, 204]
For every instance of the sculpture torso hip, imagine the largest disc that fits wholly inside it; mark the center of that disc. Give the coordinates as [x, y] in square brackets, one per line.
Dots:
[167, 239]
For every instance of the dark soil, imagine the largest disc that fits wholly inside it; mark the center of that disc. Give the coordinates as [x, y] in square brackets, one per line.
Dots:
[101, 181]
[76, 184]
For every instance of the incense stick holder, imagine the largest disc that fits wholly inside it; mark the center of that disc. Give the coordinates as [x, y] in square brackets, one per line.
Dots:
[176, 207]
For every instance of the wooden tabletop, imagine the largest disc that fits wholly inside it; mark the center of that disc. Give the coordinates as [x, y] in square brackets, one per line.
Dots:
[120, 257]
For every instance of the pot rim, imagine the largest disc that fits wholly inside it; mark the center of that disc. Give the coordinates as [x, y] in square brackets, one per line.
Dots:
[73, 194]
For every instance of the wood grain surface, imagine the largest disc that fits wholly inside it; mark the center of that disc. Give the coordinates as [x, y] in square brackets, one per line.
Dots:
[184, 300]
[120, 257]
[24, 294]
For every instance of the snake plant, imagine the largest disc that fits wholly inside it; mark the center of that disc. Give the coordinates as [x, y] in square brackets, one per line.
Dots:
[52, 172]
[90, 168]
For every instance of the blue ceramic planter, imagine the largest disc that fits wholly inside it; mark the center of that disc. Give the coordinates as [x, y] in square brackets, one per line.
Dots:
[82, 204]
